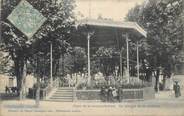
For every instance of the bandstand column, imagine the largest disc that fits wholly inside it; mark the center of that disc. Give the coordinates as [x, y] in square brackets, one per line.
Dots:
[89, 65]
[121, 66]
[128, 66]
[137, 44]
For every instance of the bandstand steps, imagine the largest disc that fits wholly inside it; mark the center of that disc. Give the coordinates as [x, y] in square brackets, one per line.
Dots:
[62, 94]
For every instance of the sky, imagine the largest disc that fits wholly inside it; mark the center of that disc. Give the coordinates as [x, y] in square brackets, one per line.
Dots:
[113, 9]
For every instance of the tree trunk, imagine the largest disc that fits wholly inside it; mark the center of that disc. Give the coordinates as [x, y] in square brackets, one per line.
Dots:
[17, 74]
[20, 72]
[23, 79]
[38, 92]
[164, 81]
[63, 70]
[38, 75]
[61, 66]
[157, 80]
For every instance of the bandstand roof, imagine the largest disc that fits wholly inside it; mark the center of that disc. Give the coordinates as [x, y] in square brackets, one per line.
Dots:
[106, 32]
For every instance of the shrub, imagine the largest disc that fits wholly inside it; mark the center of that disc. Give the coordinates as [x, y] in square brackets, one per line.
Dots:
[81, 86]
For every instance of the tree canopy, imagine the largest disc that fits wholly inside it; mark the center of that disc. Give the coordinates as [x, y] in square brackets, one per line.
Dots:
[56, 30]
[163, 22]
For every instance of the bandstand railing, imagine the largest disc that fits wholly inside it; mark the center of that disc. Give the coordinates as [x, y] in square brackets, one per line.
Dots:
[46, 91]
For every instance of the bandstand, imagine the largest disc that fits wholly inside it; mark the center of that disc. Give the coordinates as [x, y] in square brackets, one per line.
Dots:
[90, 34]
[95, 33]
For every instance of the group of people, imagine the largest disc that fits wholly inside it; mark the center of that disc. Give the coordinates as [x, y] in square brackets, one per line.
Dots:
[113, 94]
[110, 94]
[11, 90]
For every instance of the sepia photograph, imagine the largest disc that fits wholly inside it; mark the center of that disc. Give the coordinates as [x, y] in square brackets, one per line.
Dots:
[92, 57]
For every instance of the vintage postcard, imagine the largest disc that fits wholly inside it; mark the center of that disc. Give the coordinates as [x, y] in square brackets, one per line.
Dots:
[92, 57]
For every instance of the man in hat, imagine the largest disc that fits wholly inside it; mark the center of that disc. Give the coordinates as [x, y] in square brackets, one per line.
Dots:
[176, 88]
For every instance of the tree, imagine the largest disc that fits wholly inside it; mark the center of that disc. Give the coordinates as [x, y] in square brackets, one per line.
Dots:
[55, 30]
[75, 61]
[107, 58]
[164, 27]
[80, 59]
[5, 63]
[14, 43]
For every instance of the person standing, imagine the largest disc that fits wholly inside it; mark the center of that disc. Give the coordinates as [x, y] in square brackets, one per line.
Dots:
[176, 88]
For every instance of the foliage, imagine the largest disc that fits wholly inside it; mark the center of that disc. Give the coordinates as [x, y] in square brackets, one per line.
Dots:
[75, 61]
[5, 63]
[164, 27]
[80, 59]
[107, 58]
[163, 23]
[81, 86]
[56, 29]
